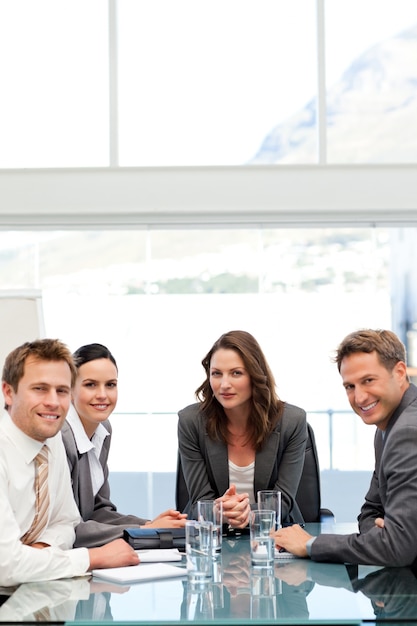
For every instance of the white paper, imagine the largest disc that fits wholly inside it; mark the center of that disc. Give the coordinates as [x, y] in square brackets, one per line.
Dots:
[159, 556]
[284, 555]
[137, 573]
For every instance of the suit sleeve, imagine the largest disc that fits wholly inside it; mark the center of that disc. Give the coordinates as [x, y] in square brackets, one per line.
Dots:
[101, 521]
[193, 458]
[106, 523]
[396, 543]
[372, 507]
[291, 463]
[105, 511]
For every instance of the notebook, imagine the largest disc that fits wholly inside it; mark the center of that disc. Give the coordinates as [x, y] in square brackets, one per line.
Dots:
[159, 555]
[138, 573]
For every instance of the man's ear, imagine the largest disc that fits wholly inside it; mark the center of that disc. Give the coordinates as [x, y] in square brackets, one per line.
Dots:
[400, 369]
[7, 393]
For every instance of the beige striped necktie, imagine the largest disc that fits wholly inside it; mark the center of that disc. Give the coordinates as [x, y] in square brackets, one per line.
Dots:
[41, 498]
[42, 615]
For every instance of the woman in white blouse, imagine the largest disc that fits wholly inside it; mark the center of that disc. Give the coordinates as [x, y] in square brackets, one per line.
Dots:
[240, 437]
[87, 437]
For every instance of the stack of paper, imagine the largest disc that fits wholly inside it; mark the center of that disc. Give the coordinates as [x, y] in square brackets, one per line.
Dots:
[138, 573]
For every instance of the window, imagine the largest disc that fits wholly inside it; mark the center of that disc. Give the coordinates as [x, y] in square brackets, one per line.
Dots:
[159, 299]
[206, 83]
[89, 83]
[370, 65]
[171, 257]
[54, 110]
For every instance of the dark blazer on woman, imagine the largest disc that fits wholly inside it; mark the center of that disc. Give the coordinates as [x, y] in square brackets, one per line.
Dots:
[102, 521]
[278, 465]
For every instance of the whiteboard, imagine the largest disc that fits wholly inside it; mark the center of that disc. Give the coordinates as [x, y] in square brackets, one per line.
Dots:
[21, 319]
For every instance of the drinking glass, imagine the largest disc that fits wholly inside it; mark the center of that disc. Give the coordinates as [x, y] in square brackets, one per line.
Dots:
[261, 525]
[270, 499]
[212, 511]
[199, 548]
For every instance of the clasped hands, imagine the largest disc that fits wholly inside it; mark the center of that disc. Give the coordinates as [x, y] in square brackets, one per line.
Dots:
[236, 507]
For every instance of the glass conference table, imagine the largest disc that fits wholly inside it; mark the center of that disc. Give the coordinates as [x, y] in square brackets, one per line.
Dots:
[300, 591]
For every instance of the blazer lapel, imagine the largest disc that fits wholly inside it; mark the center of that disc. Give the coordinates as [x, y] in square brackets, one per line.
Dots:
[265, 462]
[217, 456]
[85, 487]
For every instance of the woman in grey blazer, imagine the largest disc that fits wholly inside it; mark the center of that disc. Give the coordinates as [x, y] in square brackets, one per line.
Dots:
[240, 437]
[87, 436]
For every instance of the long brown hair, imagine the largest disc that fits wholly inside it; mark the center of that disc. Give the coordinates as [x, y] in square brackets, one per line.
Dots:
[266, 406]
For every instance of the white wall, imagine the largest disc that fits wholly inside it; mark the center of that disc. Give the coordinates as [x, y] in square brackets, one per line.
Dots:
[21, 319]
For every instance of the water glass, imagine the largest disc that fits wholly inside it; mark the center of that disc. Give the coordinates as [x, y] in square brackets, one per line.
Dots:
[212, 511]
[270, 499]
[261, 525]
[199, 549]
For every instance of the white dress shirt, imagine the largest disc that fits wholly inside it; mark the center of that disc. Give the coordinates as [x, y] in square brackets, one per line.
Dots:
[20, 563]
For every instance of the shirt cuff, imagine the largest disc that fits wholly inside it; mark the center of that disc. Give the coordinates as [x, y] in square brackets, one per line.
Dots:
[309, 544]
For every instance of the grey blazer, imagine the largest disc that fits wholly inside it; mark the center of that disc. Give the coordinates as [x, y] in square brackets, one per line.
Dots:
[277, 466]
[102, 522]
[392, 495]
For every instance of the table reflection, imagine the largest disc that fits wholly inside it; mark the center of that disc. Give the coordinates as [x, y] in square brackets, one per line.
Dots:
[299, 590]
[63, 600]
[392, 592]
[251, 594]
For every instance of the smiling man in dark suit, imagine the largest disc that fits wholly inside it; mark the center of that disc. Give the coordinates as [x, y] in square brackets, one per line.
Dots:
[372, 364]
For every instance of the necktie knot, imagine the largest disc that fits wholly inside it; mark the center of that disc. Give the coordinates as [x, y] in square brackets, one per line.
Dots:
[42, 457]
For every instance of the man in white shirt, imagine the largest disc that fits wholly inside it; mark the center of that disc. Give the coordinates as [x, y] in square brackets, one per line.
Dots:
[36, 383]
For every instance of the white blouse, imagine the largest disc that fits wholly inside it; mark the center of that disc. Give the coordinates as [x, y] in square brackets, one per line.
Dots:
[91, 447]
[243, 477]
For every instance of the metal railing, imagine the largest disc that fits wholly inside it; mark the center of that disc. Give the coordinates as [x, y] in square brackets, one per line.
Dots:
[343, 441]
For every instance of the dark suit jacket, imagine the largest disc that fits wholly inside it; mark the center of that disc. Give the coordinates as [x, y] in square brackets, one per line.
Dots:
[277, 466]
[392, 495]
[102, 522]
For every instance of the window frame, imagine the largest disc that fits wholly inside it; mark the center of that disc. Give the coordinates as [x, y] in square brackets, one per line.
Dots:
[181, 197]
